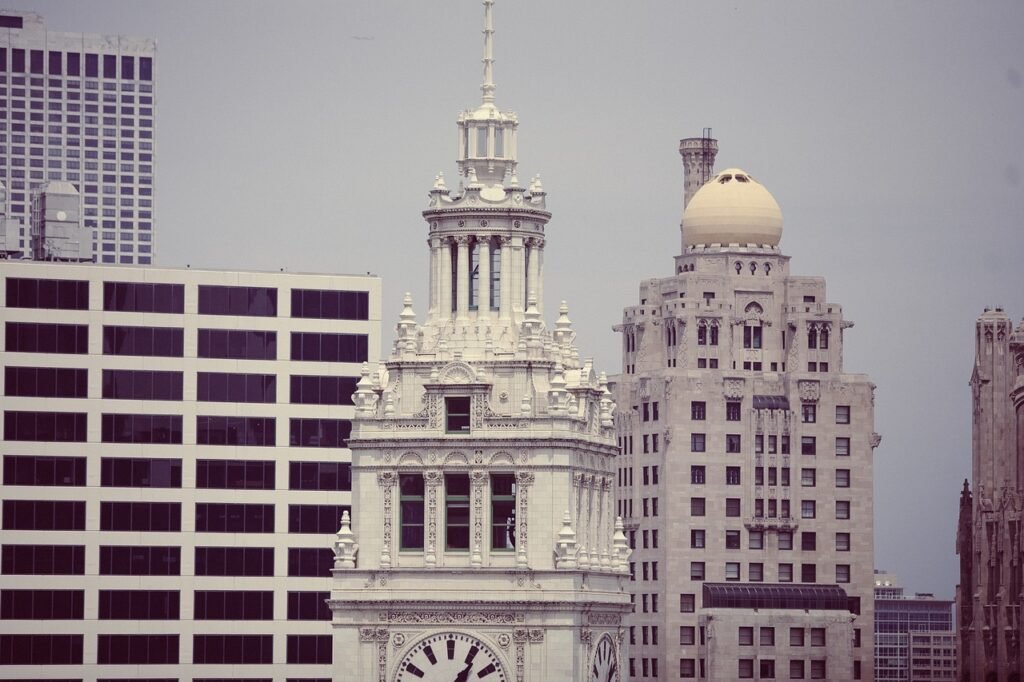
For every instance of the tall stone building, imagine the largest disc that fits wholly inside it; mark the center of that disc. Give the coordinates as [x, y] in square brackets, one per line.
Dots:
[989, 596]
[745, 468]
[484, 543]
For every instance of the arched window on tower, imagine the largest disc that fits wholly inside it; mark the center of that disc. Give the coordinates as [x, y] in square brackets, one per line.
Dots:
[481, 142]
[499, 142]
[812, 337]
[752, 328]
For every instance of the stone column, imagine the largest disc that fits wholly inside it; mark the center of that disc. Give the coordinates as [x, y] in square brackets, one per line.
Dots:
[539, 282]
[483, 307]
[434, 279]
[518, 274]
[462, 280]
[445, 266]
[505, 289]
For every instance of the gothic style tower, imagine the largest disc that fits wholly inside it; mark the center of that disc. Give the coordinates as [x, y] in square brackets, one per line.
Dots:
[991, 590]
[483, 543]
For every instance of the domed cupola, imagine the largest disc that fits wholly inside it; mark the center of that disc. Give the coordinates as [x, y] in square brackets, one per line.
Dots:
[732, 209]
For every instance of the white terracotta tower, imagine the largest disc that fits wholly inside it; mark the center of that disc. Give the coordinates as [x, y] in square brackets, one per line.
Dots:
[698, 163]
[483, 543]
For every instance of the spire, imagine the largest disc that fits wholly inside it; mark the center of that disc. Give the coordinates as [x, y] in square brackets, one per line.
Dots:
[488, 85]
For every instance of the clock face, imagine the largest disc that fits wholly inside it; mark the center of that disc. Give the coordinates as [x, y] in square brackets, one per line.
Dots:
[450, 657]
[604, 662]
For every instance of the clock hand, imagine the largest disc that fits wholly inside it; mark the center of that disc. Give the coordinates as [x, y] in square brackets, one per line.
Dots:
[464, 675]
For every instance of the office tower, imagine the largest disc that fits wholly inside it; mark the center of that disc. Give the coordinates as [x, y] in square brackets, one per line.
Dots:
[989, 597]
[914, 636]
[483, 544]
[79, 108]
[745, 467]
[175, 467]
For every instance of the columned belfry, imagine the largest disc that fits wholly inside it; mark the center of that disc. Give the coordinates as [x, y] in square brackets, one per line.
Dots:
[483, 543]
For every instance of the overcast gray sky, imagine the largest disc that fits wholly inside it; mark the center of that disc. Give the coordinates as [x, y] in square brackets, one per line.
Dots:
[305, 135]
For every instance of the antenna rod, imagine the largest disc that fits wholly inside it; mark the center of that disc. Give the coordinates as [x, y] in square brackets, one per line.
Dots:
[488, 85]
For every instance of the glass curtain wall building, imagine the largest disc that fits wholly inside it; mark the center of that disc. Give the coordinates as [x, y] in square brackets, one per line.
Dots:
[80, 108]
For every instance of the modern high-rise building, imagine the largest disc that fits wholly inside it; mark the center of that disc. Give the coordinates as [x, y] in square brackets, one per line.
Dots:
[990, 596]
[914, 636]
[484, 544]
[79, 108]
[175, 468]
[746, 455]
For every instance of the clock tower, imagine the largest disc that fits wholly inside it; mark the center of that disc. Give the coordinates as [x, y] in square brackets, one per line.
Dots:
[483, 543]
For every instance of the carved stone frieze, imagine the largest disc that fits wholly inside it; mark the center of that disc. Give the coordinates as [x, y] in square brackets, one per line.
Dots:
[810, 390]
[451, 617]
[733, 389]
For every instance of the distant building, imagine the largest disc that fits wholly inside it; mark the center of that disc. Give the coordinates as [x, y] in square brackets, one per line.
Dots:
[914, 636]
[746, 454]
[989, 536]
[78, 108]
[175, 467]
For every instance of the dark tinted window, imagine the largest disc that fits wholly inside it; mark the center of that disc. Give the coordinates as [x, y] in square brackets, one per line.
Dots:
[319, 476]
[252, 301]
[237, 561]
[136, 649]
[42, 604]
[167, 342]
[236, 388]
[308, 606]
[309, 649]
[141, 297]
[36, 61]
[43, 560]
[234, 474]
[319, 433]
[123, 560]
[322, 390]
[141, 428]
[74, 64]
[18, 60]
[310, 562]
[51, 294]
[140, 516]
[127, 68]
[331, 305]
[141, 384]
[146, 68]
[34, 337]
[42, 470]
[315, 518]
[139, 605]
[40, 649]
[234, 605]
[43, 515]
[46, 382]
[140, 472]
[92, 65]
[109, 66]
[237, 344]
[251, 431]
[53, 427]
[55, 64]
[214, 517]
[320, 347]
[233, 649]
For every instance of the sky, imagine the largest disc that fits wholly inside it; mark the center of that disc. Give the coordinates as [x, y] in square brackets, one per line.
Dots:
[306, 135]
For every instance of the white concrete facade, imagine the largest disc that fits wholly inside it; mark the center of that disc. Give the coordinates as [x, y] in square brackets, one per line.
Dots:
[745, 453]
[86, 502]
[80, 108]
[484, 542]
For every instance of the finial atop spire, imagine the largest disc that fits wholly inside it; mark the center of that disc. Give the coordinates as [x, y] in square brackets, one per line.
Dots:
[488, 85]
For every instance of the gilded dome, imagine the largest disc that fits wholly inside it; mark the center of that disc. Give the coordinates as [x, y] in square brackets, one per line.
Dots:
[732, 208]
